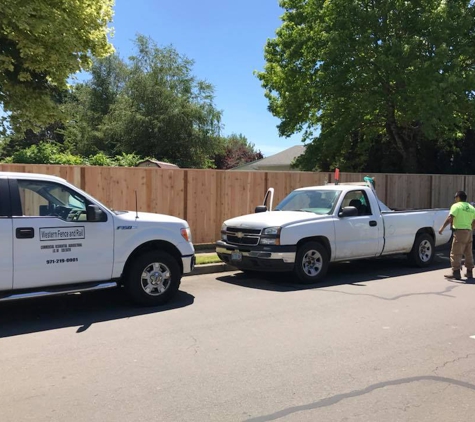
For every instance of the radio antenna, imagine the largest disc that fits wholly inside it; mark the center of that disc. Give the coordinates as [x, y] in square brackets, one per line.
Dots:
[136, 206]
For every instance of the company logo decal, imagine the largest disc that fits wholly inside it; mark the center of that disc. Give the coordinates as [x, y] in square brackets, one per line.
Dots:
[58, 233]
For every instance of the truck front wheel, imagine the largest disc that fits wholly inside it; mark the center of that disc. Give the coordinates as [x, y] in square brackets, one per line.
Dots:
[153, 278]
[423, 251]
[311, 262]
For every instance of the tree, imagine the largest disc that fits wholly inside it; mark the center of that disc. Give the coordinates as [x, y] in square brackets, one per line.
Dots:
[42, 43]
[151, 106]
[163, 110]
[90, 102]
[236, 151]
[355, 73]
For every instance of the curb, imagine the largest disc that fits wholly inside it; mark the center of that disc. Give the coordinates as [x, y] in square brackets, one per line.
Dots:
[205, 248]
[210, 269]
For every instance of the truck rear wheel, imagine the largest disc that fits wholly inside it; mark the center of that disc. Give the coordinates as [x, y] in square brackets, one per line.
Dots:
[153, 278]
[423, 251]
[311, 263]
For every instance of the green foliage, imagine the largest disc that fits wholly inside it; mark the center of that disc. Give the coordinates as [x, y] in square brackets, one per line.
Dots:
[54, 153]
[127, 160]
[164, 111]
[42, 43]
[148, 106]
[44, 153]
[100, 159]
[352, 74]
[151, 105]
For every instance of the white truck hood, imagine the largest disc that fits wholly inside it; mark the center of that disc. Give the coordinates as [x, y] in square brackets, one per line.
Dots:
[148, 217]
[272, 219]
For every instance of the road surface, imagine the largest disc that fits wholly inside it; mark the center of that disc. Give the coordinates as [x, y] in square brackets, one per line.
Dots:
[378, 341]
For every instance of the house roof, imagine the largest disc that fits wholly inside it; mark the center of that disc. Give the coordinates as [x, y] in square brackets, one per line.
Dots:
[283, 158]
[155, 163]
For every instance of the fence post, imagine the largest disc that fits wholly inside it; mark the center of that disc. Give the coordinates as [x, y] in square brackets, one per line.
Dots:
[185, 194]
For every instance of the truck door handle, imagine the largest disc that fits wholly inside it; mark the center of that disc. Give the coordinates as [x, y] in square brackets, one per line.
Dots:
[25, 233]
[373, 223]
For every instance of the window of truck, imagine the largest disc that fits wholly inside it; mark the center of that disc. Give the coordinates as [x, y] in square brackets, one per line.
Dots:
[41, 198]
[359, 200]
[316, 201]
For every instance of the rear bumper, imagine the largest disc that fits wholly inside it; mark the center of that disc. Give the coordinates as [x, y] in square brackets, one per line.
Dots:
[264, 258]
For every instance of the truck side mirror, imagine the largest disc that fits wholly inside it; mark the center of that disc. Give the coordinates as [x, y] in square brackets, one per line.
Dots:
[95, 214]
[261, 208]
[348, 212]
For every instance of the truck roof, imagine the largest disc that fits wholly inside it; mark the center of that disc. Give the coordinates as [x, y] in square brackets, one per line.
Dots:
[340, 186]
[34, 176]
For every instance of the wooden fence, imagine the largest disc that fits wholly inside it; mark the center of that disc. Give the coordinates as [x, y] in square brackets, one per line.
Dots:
[205, 198]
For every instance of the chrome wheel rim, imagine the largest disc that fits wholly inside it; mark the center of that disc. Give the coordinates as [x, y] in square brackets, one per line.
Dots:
[155, 279]
[312, 263]
[425, 251]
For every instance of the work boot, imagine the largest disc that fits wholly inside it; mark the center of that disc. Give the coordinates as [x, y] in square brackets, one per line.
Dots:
[469, 274]
[454, 276]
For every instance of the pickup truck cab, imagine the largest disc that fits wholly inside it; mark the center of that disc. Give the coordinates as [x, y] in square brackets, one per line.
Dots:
[57, 239]
[317, 225]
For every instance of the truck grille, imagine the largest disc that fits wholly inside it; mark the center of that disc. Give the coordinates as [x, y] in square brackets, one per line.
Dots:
[240, 236]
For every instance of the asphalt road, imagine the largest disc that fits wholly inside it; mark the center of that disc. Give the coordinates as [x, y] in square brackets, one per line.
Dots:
[379, 341]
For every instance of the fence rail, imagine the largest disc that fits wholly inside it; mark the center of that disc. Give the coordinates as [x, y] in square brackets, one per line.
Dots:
[205, 198]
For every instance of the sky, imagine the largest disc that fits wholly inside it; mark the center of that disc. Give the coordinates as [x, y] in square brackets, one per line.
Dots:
[226, 40]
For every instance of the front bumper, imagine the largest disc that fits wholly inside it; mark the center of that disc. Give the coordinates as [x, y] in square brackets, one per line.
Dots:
[264, 258]
[188, 263]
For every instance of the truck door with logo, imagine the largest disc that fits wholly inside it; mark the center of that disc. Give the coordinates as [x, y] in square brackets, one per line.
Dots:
[53, 241]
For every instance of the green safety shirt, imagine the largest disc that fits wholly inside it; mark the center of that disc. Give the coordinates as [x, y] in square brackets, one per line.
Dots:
[463, 215]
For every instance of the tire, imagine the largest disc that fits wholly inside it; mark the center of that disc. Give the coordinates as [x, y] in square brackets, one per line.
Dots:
[153, 278]
[423, 251]
[311, 263]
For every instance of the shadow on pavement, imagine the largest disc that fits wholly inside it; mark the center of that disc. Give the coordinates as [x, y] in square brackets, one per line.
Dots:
[350, 273]
[76, 310]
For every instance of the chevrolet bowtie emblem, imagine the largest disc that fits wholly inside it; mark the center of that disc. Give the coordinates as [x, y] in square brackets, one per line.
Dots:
[240, 235]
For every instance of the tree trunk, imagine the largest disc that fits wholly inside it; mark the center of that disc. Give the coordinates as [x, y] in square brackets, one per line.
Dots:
[404, 144]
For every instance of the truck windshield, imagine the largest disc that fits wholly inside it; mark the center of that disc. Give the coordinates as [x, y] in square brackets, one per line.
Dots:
[316, 201]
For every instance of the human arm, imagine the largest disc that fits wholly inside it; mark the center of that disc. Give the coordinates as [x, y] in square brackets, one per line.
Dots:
[449, 220]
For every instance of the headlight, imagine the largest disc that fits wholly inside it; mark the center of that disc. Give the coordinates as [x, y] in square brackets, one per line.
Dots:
[186, 234]
[270, 236]
[271, 230]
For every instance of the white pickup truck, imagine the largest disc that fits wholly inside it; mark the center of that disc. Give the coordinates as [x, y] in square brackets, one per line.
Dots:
[56, 239]
[317, 225]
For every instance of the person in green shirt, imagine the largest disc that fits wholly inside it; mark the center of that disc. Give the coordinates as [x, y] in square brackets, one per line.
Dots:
[462, 220]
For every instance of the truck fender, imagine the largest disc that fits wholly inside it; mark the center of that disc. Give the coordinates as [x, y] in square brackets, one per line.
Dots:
[320, 239]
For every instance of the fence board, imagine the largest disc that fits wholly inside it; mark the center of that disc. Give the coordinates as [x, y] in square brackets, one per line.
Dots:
[470, 188]
[443, 189]
[408, 191]
[201, 207]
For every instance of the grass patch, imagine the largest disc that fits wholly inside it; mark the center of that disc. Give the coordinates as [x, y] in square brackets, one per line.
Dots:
[207, 259]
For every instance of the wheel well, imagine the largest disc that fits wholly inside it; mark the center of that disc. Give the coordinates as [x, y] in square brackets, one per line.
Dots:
[154, 245]
[428, 230]
[320, 239]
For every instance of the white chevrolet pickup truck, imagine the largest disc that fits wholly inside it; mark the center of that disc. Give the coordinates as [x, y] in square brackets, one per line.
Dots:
[57, 239]
[317, 225]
